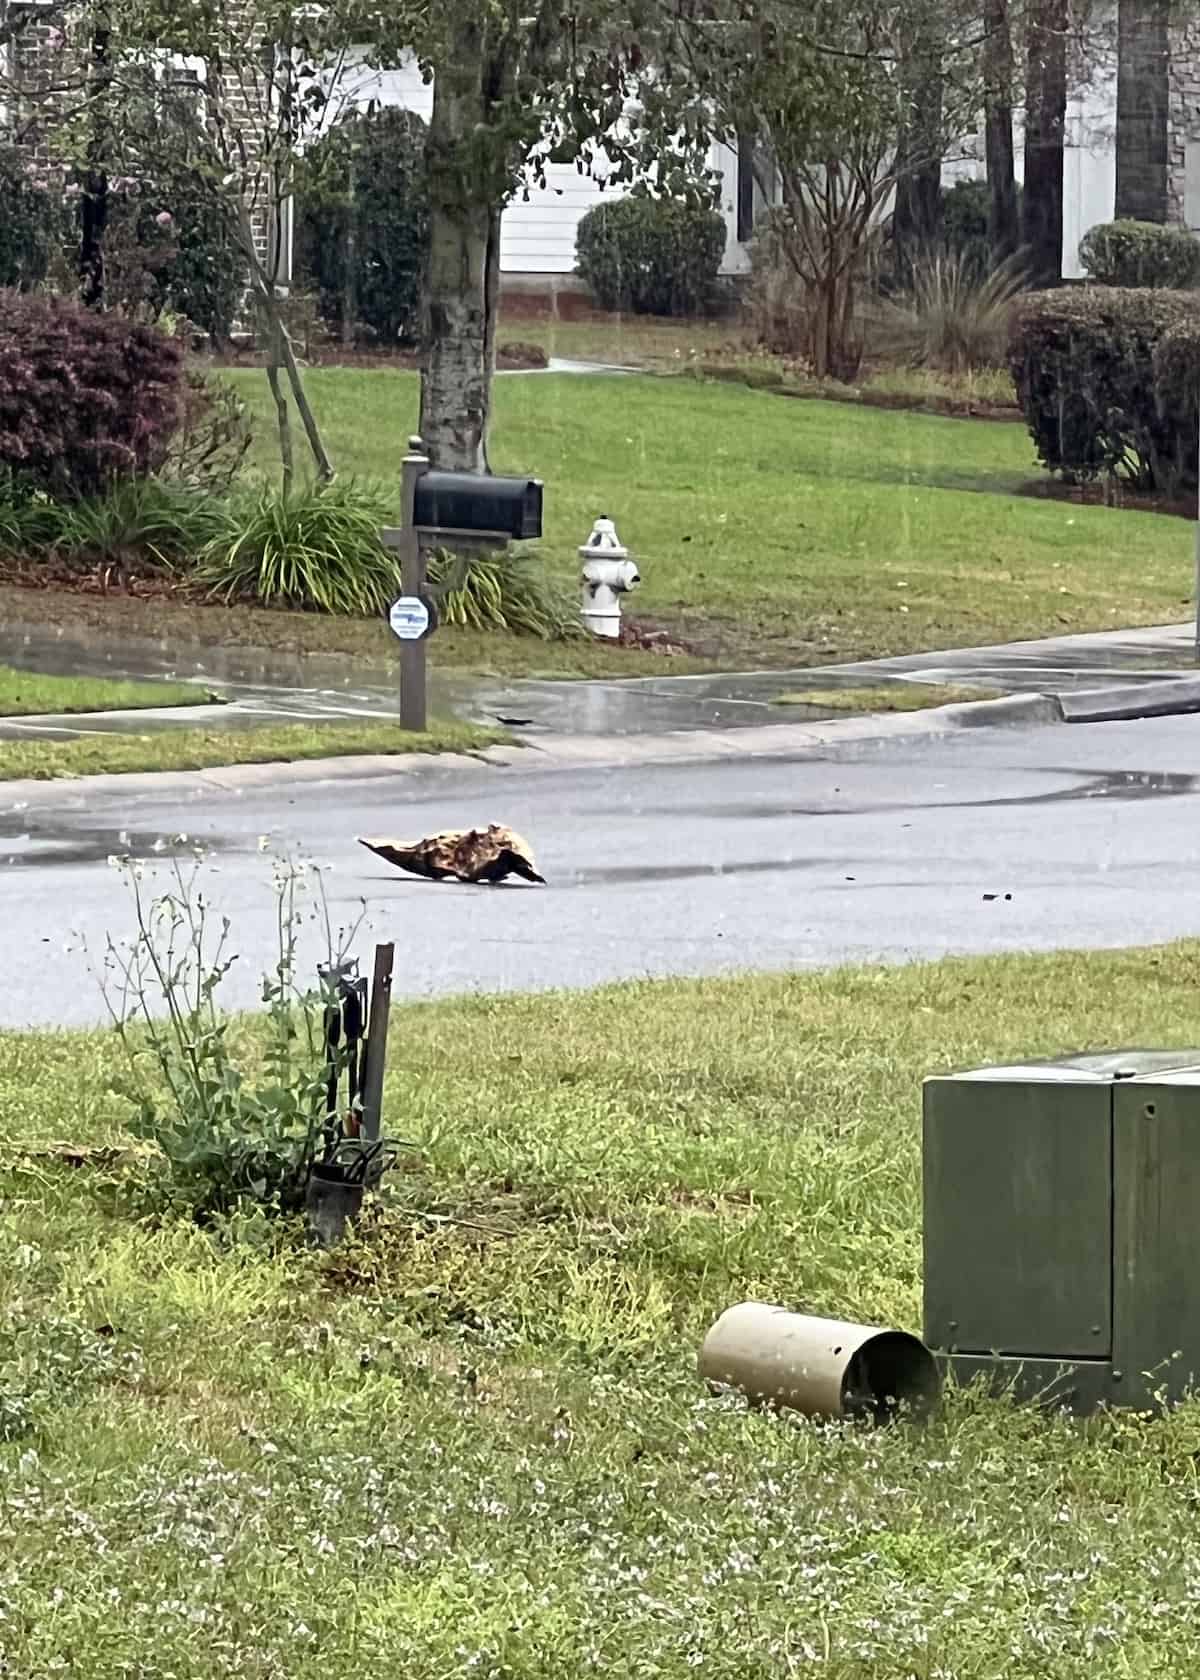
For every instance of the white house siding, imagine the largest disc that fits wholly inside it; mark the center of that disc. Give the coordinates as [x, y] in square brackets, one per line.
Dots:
[537, 230]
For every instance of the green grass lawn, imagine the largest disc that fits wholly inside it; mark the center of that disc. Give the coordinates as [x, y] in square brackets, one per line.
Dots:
[729, 348]
[474, 1443]
[772, 532]
[769, 532]
[28, 693]
[210, 748]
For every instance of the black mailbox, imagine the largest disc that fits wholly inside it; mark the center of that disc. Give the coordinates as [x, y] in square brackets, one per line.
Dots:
[459, 501]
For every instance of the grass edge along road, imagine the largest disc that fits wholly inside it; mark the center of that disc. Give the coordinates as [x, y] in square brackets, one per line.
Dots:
[38, 758]
[886, 697]
[30, 693]
[474, 1441]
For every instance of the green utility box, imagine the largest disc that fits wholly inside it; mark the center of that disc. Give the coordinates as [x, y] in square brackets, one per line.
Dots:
[1062, 1227]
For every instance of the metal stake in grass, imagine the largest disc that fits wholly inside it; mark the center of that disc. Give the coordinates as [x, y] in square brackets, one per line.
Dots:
[376, 1057]
[355, 1155]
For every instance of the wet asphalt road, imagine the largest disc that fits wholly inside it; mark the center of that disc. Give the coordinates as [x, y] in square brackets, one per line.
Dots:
[867, 853]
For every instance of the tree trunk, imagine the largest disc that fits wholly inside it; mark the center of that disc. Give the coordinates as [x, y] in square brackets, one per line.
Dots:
[267, 297]
[469, 179]
[492, 301]
[93, 208]
[917, 219]
[1004, 226]
[1045, 125]
[283, 424]
[350, 259]
[1142, 98]
[463, 263]
[304, 408]
[456, 376]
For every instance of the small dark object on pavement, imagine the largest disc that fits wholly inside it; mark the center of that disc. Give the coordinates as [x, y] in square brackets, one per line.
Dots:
[484, 855]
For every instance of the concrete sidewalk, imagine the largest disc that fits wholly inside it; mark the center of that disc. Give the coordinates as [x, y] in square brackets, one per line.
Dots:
[271, 687]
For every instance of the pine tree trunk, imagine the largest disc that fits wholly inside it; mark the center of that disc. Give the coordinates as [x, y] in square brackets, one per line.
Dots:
[1142, 98]
[1045, 126]
[1004, 225]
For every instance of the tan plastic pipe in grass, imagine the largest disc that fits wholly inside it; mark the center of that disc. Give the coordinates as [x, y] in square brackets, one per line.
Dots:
[819, 1366]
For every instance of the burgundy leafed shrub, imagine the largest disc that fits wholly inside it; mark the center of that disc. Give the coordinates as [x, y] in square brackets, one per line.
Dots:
[85, 400]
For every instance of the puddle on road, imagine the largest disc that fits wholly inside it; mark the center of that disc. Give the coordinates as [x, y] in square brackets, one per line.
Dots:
[623, 874]
[36, 845]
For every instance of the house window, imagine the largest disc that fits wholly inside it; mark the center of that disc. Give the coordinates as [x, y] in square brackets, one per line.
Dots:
[183, 89]
[745, 188]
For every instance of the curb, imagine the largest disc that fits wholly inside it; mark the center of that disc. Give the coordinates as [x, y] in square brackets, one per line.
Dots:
[547, 753]
[1011, 711]
[1173, 696]
[234, 779]
[1168, 697]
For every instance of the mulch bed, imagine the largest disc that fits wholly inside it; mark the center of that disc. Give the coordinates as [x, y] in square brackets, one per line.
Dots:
[950, 408]
[647, 639]
[1103, 494]
[136, 578]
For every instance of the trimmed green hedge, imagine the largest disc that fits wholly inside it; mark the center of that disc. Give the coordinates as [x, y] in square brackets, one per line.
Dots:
[1177, 388]
[1083, 363]
[1142, 254]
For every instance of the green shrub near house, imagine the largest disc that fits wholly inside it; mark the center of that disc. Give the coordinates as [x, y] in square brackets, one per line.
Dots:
[1177, 390]
[169, 243]
[1144, 254]
[30, 225]
[362, 231]
[171, 249]
[1084, 366]
[655, 256]
[965, 210]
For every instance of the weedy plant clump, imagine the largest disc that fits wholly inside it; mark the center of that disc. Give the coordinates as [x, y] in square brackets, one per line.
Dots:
[238, 1116]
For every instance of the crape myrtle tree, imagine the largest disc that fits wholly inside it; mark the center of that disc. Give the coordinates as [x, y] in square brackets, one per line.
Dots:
[855, 103]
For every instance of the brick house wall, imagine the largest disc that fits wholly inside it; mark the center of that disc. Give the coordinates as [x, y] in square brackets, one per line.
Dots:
[38, 57]
[31, 61]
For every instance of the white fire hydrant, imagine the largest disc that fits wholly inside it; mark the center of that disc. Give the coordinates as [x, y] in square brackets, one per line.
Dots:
[608, 573]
